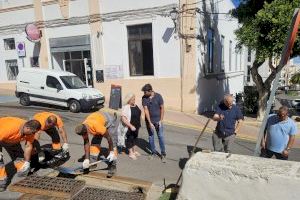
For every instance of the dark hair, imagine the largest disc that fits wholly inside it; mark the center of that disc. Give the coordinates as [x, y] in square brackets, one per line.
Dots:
[283, 109]
[52, 120]
[33, 125]
[81, 129]
[147, 88]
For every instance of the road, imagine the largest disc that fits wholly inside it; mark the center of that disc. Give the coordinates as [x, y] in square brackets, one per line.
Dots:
[178, 141]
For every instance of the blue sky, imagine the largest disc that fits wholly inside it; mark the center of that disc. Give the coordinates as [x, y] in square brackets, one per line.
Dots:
[236, 2]
[297, 60]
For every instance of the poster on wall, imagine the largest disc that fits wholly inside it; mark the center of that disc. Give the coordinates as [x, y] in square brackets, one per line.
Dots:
[113, 72]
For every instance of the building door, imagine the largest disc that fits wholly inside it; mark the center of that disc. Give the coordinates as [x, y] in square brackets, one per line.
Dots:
[79, 63]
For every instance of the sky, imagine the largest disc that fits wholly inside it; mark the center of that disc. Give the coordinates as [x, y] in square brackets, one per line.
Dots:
[236, 2]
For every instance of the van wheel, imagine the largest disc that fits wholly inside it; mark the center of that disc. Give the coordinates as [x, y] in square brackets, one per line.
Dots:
[24, 100]
[74, 106]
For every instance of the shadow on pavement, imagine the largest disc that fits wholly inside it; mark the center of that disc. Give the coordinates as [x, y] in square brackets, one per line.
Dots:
[144, 145]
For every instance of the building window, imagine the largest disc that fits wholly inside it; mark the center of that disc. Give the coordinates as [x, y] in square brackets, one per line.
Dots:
[12, 69]
[248, 73]
[249, 55]
[140, 50]
[9, 44]
[222, 53]
[210, 50]
[52, 82]
[230, 55]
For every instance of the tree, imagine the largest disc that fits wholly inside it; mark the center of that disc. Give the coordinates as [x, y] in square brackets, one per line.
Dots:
[264, 28]
[295, 79]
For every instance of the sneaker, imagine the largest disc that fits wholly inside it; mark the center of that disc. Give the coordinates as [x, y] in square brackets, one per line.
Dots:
[151, 156]
[163, 159]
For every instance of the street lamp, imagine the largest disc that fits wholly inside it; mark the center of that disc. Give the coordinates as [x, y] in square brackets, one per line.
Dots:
[174, 16]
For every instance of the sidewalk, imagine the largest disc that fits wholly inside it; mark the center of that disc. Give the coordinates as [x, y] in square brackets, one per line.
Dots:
[249, 129]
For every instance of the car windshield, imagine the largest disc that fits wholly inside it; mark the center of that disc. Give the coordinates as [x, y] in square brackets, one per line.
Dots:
[72, 82]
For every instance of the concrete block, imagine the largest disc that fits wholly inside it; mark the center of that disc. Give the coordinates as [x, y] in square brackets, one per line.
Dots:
[213, 176]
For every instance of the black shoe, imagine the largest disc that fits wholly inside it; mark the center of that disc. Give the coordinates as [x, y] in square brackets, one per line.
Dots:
[112, 169]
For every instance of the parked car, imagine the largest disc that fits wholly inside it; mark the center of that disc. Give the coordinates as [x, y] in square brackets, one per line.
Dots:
[57, 88]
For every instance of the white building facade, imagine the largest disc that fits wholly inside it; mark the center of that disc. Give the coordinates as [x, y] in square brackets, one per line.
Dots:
[128, 43]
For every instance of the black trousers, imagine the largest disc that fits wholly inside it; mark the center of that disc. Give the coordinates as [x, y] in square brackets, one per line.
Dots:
[131, 138]
[266, 153]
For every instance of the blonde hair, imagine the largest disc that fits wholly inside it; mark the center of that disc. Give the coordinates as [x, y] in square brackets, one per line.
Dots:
[127, 98]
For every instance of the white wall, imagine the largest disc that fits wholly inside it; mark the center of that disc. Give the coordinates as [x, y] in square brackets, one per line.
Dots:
[79, 8]
[17, 17]
[107, 6]
[12, 54]
[52, 12]
[166, 55]
[212, 87]
[14, 3]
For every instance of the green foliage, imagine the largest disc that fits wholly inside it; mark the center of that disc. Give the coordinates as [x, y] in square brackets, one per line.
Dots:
[250, 100]
[265, 30]
[295, 79]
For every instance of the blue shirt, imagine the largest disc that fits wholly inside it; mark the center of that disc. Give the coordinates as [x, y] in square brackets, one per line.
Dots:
[226, 127]
[153, 104]
[278, 133]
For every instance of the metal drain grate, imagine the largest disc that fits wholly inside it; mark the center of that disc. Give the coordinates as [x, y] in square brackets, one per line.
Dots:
[89, 193]
[51, 186]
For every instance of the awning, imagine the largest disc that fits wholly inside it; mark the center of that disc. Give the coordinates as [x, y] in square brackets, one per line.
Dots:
[66, 44]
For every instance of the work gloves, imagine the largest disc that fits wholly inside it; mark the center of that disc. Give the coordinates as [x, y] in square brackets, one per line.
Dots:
[86, 164]
[112, 156]
[65, 147]
[41, 156]
[24, 169]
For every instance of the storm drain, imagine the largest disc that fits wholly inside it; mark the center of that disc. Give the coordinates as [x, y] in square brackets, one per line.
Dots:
[89, 193]
[51, 186]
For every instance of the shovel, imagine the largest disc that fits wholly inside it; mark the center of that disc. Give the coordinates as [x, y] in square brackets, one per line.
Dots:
[77, 170]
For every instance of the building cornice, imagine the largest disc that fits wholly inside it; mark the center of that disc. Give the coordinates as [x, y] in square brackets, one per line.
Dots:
[107, 17]
[9, 9]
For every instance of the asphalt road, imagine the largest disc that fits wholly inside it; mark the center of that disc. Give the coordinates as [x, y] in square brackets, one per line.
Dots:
[178, 141]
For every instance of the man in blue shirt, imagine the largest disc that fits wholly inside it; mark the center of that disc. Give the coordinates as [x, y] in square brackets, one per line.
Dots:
[279, 135]
[229, 118]
[153, 104]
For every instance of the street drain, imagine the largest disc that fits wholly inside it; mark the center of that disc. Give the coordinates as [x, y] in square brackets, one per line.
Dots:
[51, 186]
[89, 193]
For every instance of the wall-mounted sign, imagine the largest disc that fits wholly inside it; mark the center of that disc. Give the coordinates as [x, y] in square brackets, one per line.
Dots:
[33, 33]
[21, 49]
[113, 72]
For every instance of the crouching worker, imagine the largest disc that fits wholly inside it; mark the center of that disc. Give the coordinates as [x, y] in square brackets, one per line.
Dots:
[13, 130]
[53, 126]
[99, 125]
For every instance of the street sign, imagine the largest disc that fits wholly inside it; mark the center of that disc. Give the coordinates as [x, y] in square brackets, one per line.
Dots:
[21, 49]
[33, 33]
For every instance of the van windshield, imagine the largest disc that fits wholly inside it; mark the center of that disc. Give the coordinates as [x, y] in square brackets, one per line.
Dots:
[72, 82]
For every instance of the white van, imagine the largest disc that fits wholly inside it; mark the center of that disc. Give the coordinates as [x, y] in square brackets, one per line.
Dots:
[57, 88]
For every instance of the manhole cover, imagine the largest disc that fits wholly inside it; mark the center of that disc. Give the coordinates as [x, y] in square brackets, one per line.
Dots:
[89, 193]
[50, 186]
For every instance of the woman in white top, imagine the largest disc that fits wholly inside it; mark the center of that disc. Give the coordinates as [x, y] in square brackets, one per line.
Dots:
[131, 120]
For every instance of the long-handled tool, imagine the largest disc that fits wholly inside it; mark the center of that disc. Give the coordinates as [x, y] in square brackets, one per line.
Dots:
[77, 170]
[193, 150]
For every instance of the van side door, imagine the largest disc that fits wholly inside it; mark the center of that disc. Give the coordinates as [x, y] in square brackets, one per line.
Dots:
[54, 92]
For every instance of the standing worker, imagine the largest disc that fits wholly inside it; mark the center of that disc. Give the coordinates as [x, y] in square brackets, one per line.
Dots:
[53, 125]
[229, 118]
[13, 130]
[99, 125]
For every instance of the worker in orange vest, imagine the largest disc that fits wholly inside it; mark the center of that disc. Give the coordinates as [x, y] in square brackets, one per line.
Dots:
[53, 125]
[13, 130]
[99, 125]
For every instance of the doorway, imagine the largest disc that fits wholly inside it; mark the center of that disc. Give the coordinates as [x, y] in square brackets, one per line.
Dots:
[79, 63]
